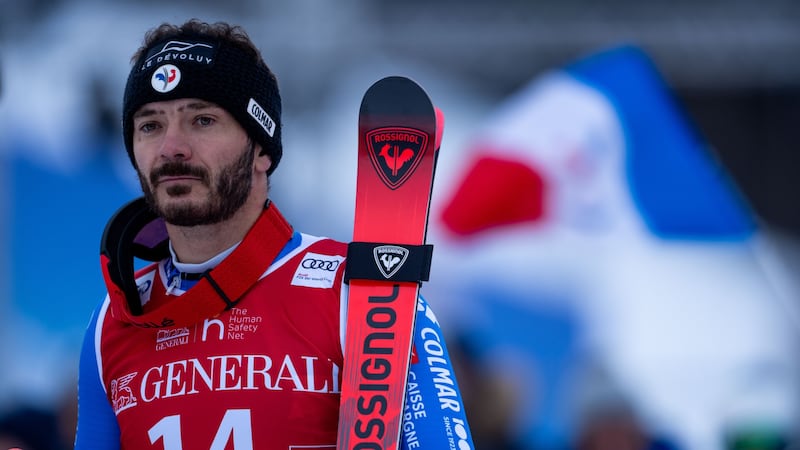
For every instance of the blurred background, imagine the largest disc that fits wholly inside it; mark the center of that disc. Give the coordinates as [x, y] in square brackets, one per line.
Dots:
[614, 218]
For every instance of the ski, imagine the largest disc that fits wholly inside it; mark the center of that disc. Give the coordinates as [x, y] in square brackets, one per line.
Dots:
[399, 131]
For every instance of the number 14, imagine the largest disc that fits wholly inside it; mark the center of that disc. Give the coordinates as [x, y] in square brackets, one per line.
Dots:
[235, 423]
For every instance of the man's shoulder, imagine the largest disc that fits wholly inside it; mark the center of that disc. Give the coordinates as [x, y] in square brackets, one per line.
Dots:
[304, 247]
[322, 244]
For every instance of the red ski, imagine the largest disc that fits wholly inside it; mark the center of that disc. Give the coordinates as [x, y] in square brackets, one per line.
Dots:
[398, 139]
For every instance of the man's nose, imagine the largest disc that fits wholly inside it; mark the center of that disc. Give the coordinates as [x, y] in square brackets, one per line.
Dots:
[175, 145]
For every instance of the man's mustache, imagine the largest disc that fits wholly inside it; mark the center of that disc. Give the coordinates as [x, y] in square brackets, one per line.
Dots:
[178, 169]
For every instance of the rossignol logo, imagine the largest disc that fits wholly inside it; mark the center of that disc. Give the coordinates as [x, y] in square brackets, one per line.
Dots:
[389, 258]
[376, 369]
[165, 78]
[395, 153]
[257, 112]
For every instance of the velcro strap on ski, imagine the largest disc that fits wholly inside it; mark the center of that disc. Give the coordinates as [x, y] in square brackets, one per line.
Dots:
[388, 262]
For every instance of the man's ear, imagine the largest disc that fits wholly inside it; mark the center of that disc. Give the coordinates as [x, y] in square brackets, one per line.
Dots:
[262, 161]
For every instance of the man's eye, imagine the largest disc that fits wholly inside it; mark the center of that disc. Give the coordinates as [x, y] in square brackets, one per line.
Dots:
[204, 121]
[147, 127]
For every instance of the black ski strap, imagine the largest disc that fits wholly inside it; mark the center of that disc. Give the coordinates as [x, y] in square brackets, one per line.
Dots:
[388, 262]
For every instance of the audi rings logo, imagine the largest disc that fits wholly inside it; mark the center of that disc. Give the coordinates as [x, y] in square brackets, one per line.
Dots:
[321, 264]
[317, 270]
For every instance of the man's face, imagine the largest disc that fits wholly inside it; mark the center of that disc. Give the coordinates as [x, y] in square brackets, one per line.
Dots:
[194, 160]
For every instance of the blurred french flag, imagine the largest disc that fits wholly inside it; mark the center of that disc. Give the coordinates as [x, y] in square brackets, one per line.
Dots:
[548, 153]
[591, 208]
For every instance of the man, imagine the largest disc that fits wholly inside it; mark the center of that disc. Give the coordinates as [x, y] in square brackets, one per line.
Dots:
[232, 338]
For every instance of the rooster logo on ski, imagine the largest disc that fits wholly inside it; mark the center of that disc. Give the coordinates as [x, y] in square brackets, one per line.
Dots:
[395, 153]
[389, 259]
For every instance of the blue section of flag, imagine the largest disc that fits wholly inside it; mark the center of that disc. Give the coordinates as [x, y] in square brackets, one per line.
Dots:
[678, 187]
[57, 221]
[542, 332]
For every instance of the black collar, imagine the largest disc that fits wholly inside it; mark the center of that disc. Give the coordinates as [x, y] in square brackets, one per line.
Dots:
[135, 231]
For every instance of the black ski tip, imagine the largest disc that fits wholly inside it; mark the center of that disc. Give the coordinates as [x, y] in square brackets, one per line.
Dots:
[396, 95]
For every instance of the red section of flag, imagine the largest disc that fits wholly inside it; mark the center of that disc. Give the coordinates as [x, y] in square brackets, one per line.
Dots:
[495, 192]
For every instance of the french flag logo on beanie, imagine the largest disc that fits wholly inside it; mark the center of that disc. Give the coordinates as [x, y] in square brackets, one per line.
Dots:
[165, 78]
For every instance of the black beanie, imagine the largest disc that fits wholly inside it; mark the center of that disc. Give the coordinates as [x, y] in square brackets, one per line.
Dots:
[194, 66]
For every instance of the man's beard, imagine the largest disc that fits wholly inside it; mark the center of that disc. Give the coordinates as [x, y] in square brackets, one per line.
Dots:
[226, 195]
